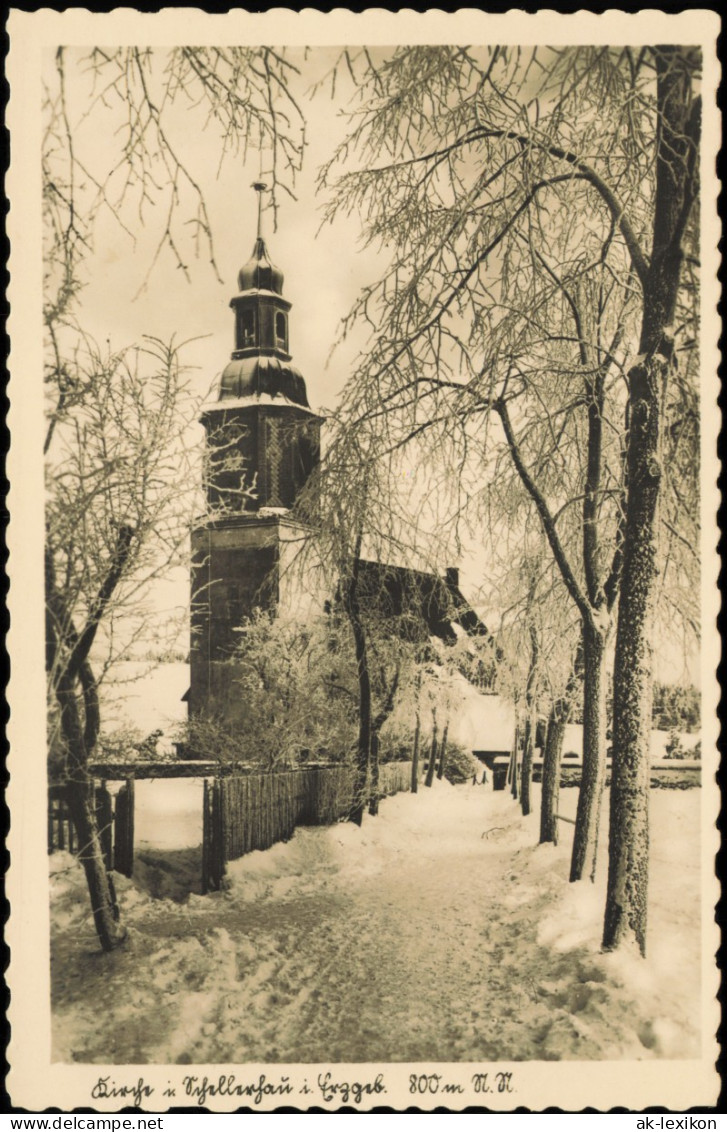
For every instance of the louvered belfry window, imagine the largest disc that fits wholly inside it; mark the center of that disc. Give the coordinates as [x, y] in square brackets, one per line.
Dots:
[274, 461]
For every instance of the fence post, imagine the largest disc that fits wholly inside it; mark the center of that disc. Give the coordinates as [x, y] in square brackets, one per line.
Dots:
[219, 832]
[205, 837]
[60, 815]
[124, 830]
[213, 840]
[104, 818]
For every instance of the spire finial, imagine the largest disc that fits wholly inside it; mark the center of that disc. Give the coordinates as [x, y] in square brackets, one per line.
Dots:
[260, 187]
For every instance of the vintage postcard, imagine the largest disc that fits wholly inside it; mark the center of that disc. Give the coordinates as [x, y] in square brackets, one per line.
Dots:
[363, 642]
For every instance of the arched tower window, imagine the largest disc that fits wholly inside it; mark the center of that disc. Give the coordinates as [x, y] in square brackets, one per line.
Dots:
[281, 331]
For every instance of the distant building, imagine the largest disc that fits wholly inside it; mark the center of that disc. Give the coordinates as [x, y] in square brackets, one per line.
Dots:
[262, 443]
[423, 605]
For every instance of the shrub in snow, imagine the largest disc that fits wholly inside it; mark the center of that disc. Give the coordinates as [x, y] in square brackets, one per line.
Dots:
[459, 765]
[125, 744]
[675, 748]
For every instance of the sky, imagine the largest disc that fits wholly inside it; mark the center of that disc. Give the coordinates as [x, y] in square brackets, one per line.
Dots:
[324, 267]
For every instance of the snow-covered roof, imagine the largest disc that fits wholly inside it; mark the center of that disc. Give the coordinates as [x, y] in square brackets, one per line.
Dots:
[482, 722]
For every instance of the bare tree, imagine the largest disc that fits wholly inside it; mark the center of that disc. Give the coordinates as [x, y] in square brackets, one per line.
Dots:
[537, 638]
[116, 519]
[356, 533]
[676, 174]
[116, 516]
[558, 717]
[487, 170]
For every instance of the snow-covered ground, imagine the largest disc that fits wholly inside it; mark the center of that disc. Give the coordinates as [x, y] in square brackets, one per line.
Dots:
[438, 932]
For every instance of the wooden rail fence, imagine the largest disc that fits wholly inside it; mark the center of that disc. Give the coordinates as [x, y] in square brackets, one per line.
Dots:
[241, 812]
[115, 817]
[255, 811]
[61, 833]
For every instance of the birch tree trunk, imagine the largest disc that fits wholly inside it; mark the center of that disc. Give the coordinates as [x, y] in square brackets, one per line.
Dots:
[432, 752]
[415, 752]
[551, 776]
[676, 187]
[585, 839]
[526, 774]
[443, 751]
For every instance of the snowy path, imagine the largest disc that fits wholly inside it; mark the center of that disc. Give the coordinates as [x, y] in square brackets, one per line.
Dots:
[439, 932]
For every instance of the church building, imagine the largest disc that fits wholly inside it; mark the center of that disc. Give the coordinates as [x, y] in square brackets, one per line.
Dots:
[262, 442]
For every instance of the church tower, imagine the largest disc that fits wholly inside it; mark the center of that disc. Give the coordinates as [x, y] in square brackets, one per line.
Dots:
[262, 442]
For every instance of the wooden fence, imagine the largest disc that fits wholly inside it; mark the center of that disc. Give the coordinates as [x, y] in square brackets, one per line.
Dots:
[241, 812]
[255, 811]
[61, 833]
[115, 818]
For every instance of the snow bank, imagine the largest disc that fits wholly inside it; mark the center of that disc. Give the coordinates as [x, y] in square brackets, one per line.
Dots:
[482, 722]
[440, 926]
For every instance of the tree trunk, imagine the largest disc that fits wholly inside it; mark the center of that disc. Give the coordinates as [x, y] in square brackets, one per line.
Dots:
[79, 799]
[363, 750]
[76, 692]
[526, 775]
[513, 760]
[377, 722]
[560, 713]
[551, 773]
[514, 764]
[79, 740]
[363, 674]
[415, 755]
[443, 751]
[374, 783]
[676, 186]
[432, 753]
[593, 772]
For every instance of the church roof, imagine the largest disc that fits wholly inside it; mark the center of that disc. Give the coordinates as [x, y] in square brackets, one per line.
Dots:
[416, 605]
[261, 374]
[438, 603]
[260, 273]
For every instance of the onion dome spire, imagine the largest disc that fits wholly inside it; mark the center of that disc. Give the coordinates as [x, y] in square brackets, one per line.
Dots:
[260, 273]
[261, 363]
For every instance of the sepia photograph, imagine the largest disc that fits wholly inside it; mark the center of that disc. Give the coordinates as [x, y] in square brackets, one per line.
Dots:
[364, 417]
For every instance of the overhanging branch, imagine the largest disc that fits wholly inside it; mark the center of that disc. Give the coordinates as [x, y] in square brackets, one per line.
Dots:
[546, 518]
